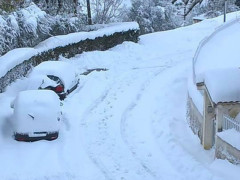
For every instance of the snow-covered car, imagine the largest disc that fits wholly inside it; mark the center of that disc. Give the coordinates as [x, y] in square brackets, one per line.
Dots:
[58, 76]
[36, 115]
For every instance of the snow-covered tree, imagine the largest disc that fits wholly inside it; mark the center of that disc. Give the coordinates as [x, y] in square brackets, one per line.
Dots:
[105, 11]
[213, 8]
[28, 26]
[153, 15]
[187, 5]
[237, 3]
[55, 7]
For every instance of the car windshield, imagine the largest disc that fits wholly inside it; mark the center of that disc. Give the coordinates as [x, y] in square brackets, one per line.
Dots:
[55, 78]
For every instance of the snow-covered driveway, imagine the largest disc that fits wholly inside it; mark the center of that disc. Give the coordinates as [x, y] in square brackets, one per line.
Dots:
[127, 123]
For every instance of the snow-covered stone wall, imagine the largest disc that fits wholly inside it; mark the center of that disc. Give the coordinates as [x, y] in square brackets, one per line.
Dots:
[227, 146]
[18, 62]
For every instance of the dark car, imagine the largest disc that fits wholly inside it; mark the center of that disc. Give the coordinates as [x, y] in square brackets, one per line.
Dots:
[58, 76]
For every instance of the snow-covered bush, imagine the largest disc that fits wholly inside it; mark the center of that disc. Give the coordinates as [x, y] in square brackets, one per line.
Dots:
[67, 25]
[34, 25]
[9, 31]
[30, 25]
[58, 7]
[215, 8]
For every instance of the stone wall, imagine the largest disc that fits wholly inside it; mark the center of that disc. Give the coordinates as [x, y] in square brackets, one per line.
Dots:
[224, 150]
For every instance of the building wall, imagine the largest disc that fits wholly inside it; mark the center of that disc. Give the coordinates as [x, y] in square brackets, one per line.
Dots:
[195, 118]
[231, 109]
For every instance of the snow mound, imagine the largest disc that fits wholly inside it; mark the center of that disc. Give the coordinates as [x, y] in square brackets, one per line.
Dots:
[15, 57]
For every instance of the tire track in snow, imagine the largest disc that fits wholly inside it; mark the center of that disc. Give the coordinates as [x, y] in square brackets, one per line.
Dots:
[101, 99]
[83, 122]
[94, 157]
[124, 118]
[91, 155]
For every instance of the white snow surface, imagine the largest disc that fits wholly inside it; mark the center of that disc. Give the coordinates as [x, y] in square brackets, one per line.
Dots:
[223, 84]
[125, 123]
[231, 136]
[43, 106]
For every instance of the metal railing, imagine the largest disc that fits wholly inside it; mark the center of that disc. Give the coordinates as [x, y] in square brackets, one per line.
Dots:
[230, 123]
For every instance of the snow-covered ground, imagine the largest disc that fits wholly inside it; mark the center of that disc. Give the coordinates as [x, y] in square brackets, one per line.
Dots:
[125, 123]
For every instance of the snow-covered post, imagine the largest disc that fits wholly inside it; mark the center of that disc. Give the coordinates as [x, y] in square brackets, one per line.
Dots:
[208, 127]
[225, 10]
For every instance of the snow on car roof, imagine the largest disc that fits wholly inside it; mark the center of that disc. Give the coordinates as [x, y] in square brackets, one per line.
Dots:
[36, 110]
[65, 71]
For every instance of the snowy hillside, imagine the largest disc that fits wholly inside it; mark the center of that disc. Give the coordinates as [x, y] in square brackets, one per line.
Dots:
[127, 123]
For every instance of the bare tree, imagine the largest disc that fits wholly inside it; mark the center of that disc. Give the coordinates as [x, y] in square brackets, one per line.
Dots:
[188, 5]
[106, 10]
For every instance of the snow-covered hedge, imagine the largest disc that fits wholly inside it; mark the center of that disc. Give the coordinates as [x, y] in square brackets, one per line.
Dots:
[18, 62]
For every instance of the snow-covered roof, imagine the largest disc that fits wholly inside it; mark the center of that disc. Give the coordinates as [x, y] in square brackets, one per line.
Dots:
[220, 50]
[223, 84]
